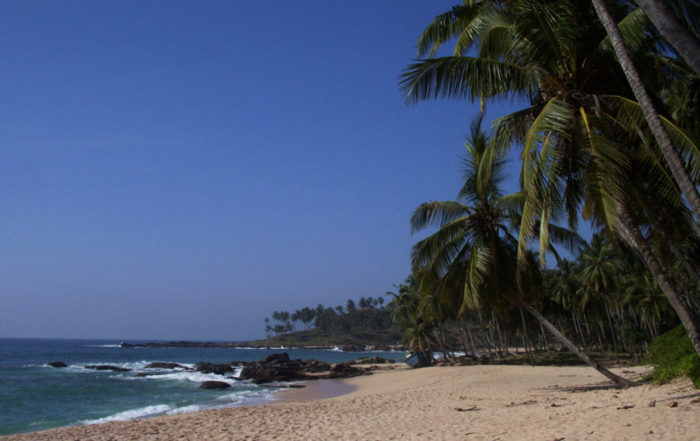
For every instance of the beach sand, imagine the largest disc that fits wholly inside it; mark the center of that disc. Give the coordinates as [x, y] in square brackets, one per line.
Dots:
[438, 403]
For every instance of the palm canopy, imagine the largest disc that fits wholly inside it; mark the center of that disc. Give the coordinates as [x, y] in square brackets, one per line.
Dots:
[474, 248]
[582, 128]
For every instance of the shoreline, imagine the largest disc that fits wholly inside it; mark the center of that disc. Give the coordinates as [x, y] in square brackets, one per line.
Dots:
[482, 402]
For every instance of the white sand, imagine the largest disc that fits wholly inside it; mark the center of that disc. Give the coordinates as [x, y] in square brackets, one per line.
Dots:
[441, 403]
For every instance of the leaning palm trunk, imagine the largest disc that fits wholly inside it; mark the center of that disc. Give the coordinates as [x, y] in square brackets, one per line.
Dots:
[673, 159]
[635, 239]
[688, 267]
[571, 346]
[682, 40]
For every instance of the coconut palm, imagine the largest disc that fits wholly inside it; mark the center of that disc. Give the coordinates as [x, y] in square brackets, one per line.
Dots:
[475, 243]
[681, 175]
[582, 128]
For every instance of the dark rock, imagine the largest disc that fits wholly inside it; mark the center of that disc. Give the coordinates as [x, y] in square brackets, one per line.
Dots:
[373, 360]
[274, 367]
[345, 370]
[142, 374]
[214, 385]
[266, 374]
[211, 368]
[164, 365]
[275, 359]
[58, 364]
[106, 367]
[314, 366]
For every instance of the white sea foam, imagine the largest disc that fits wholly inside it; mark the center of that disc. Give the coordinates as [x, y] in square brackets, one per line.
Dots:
[194, 377]
[131, 414]
[102, 346]
[185, 409]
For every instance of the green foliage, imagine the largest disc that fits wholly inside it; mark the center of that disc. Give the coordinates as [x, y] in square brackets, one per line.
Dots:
[367, 322]
[673, 355]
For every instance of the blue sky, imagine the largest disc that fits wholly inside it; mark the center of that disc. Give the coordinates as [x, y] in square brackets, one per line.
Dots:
[180, 169]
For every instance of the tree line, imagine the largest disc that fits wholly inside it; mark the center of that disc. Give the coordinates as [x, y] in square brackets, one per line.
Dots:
[367, 314]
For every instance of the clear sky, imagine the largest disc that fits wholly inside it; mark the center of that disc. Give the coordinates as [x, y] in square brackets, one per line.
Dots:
[180, 169]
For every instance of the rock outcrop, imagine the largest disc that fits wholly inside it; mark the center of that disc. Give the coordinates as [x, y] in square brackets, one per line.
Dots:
[213, 368]
[374, 360]
[214, 385]
[165, 365]
[106, 367]
[57, 364]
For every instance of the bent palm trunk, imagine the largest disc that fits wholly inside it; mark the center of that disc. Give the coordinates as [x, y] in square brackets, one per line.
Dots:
[572, 347]
[673, 159]
[635, 239]
[682, 40]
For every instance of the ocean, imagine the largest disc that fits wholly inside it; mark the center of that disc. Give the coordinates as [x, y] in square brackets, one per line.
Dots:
[35, 396]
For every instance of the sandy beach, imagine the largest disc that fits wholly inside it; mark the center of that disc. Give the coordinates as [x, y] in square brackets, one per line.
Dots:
[438, 403]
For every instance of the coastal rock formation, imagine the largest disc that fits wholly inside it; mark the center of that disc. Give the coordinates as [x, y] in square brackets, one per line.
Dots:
[58, 364]
[214, 385]
[275, 367]
[373, 360]
[106, 367]
[346, 370]
[165, 365]
[313, 366]
[213, 368]
[278, 367]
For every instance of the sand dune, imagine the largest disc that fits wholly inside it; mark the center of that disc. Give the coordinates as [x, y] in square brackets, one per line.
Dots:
[441, 403]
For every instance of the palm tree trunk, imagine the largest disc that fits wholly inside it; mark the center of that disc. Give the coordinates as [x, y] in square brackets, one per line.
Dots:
[688, 267]
[526, 341]
[471, 339]
[673, 159]
[572, 347]
[682, 40]
[546, 343]
[614, 335]
[635, 239]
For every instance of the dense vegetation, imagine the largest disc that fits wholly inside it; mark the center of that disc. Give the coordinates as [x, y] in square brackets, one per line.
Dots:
[367, 322]
[673, 356]
[608, 134]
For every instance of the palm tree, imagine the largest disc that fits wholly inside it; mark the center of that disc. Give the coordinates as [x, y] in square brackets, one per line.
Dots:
[475, 244]
[675, 31]
[673, 159]
[582, 127]
[418, 332]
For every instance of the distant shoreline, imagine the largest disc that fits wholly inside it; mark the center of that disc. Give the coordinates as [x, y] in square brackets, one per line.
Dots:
[250, 345]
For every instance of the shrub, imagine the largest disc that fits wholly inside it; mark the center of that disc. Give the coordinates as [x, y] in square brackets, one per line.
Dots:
[673, 355]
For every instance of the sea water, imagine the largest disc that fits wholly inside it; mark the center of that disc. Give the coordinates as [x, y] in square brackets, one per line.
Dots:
[35, 396]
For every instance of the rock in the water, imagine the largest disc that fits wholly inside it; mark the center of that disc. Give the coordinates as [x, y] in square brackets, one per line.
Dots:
[214, 385]
[274, 367]
[164, 365]
[106, 367]
[275, 358]
[212, 368]
[58, 364]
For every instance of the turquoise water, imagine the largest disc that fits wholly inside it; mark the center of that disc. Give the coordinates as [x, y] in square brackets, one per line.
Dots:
[35, 396]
